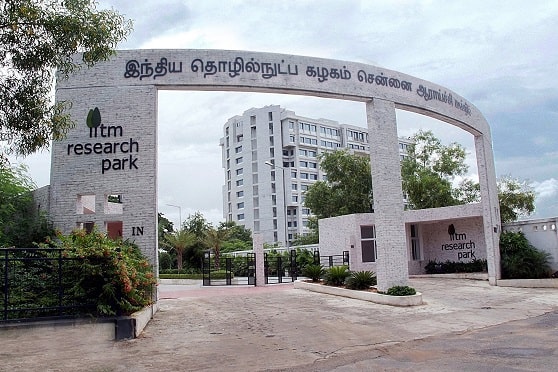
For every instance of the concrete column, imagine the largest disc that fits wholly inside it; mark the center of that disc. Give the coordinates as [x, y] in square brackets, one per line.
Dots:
[490, 205]
[392, 264]
[258, 246]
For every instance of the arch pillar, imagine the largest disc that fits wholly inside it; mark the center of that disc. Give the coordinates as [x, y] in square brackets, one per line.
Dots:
[392, 264]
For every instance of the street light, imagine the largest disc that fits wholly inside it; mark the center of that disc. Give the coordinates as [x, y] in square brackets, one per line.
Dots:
[179, 215]
[273, 166]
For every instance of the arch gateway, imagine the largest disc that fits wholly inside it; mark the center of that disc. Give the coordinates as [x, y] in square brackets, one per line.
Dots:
[105, 172]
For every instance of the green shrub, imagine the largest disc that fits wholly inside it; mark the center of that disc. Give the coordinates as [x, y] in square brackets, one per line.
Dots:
[520, 260]
[361, 280]
[112, 273]
[336, 275]
[314, 272]
[400, 290]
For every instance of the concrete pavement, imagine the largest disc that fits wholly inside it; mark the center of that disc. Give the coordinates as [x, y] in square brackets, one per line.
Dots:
[464, 324]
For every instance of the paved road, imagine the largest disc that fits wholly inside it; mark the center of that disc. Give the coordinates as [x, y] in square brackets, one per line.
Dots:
[464, 325]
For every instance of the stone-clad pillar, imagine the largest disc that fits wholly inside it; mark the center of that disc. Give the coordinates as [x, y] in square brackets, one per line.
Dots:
[392, 264]
[258, 247]
[490, 205]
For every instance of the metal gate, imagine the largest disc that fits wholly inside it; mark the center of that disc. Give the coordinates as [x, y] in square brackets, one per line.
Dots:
[227, 270]
[278, 270]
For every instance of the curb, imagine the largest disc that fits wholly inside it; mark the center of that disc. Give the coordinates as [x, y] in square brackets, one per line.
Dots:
[378, 298]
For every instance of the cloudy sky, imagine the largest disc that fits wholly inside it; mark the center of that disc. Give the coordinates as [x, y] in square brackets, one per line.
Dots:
[500, 55]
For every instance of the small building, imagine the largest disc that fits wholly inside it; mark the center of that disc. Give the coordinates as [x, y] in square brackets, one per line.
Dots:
[439, 234]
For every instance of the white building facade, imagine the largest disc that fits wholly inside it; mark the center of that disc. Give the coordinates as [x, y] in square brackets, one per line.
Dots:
[270, 158]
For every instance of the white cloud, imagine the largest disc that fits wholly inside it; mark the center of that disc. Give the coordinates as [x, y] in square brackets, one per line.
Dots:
[546, 189]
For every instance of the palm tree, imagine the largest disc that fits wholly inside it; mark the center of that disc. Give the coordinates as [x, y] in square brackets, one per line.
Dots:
[214, 239]
[179, 241]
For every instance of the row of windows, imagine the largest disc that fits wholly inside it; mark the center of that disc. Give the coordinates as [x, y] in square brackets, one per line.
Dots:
[357, 136]
[329, 144]
[356, 147]
[308, 164]
[308, 153]
[307, 127]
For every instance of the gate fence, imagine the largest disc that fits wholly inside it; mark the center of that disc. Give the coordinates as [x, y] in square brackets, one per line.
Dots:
[227, 270]
[279, 267]
[38, 284]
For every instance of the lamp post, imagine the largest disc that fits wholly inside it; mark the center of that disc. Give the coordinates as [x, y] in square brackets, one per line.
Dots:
[179, 215]
[273, 166]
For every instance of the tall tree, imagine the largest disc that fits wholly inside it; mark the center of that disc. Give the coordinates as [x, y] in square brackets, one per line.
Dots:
[239, 237]
[198, 225]
[214, 238]
[20, 224]
[429, 169]
[516, 199]
[37, 38]
[347, 189]
[179, 242]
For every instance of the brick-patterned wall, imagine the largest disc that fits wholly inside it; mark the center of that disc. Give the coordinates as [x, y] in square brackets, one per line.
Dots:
[134, 111]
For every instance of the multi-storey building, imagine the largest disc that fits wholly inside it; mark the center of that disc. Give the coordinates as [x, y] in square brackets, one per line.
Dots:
[270, 157]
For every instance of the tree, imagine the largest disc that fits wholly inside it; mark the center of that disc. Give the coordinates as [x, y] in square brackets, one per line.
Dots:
[164, 226]
[238, 239]
[428, 170]
[180, 241]
[313, 236]
[348, 188]
[516, 199]
[214, 238]
[198, 225]
[37, 38]
[20, 224]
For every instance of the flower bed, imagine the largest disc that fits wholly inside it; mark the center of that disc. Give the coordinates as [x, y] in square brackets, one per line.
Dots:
[375, 297]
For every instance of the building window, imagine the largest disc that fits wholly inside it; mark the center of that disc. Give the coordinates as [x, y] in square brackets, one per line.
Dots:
[239, 194]
[240, 205]
[85, 204]
[368, 243]
[114, 204]
[303, 175]
[238, 149]
[239, 182]
[240, 216]
[295, 198]
[303, 163]
[294, 186]
[293, 174]
[239, 171]
[415, 244]
[239, 160]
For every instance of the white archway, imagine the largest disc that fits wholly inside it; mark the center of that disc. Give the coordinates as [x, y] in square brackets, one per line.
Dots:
[116, 155]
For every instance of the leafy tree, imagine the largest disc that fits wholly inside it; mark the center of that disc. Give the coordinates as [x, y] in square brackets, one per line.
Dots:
[37, 38]
[214, 238]
[239, 238]
[20, 224]
[236, 231]
[429, 169]
[313, 237]
[348, 188]
[180, 241]
[516, 199]
[164, 226]
[198, 225]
